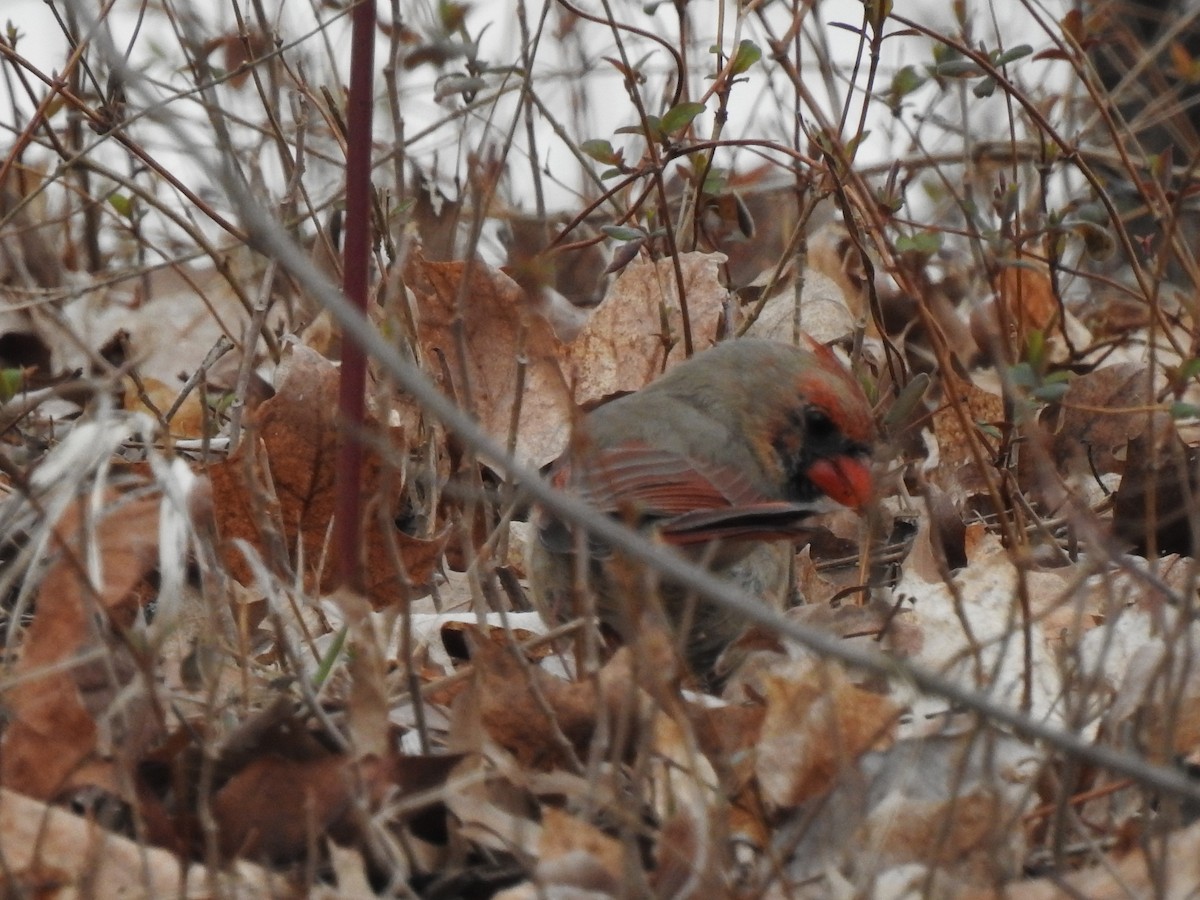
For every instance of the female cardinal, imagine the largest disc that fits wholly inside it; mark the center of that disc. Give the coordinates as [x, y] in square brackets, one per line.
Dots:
[734, 448]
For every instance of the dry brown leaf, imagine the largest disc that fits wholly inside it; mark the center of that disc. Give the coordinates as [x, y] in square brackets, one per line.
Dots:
[297, 432]
[1154, 505]
[188, 421]
[967, 628]
[725, 732]
[491, 806]
[814, 587]
[1024, 301]
[833, 254]
[1139, 660]
[498, 328]
[817, 724]
[171, 317]
[281, 789]
[1171, 872]
[31, 246]
[56, 712]
[950, 803]
[941, 833]
[824, 312]
[49, 852]
[576, 854]
[623, 346]
[946, 805]
[877, 622]
[687, 797]
[274, 808]
[686, 865]
[1102, 411]
[239, 50]
[439, 640]
[956, 472]
[542, 720]
[575, 273]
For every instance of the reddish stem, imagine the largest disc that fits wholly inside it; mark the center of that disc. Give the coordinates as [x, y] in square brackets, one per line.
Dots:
[347, 538]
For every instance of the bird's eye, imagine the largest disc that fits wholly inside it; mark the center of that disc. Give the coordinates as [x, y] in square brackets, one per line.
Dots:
[818, 424]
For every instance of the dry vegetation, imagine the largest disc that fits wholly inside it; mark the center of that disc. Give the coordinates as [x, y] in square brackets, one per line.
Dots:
[987, 686]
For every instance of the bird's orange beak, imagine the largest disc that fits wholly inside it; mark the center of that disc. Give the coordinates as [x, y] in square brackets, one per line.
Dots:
[844, 479]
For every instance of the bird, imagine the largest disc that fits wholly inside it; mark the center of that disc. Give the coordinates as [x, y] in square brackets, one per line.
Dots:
[727, 457]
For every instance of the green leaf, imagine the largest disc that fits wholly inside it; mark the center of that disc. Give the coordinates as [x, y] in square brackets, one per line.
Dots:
[1185, 411]
[680, 116]
[926, 243]
[601, 151]
[909, 401]
[1035, 350]
[905, 81]
[985, 88]
[989, 430]
[957, 68]
[877, 13]
[1012, 55]
[1189, 369]
[943, 53]
[1051, 392]
[122, 204]
[221, 403]
[622, 232]
[892, 202]
[11, 382]
[653, 129]
[746, 55]
[1022, 375]
[325, 667]
[452, 15]
[716, 181]
[853, 144]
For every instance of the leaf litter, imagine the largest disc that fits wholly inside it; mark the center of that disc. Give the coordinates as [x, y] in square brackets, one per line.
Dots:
[520, 762]
[184, 673]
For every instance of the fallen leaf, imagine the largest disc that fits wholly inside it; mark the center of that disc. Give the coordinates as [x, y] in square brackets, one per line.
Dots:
[574, 853]
[543, 721]
[956, 471]
[1102, 411]
[547, 722]
[817, 724]
[508, 356]
[49, 852]
[59, 705]
[297, 435]
[1024, 301]
[275, 808]
[637, 332]
[823, 314]
[970, 629]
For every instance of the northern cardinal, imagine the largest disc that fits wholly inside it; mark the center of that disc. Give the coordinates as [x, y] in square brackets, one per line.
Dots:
[732, 449]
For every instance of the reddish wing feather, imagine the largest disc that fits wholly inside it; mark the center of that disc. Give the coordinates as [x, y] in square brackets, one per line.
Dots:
[695, 502]
[660, 484]
[761, 522]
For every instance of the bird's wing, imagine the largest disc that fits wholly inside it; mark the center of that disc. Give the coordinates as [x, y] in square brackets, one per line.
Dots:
[759, 522]
[646, 482]
[690, 501]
